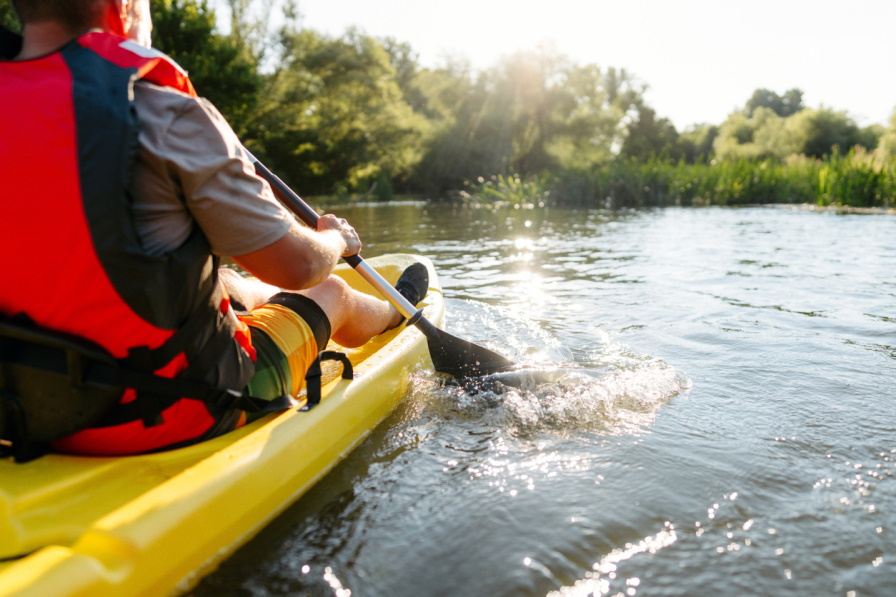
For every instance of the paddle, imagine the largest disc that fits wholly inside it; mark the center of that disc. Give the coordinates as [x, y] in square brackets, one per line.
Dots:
[450, 355]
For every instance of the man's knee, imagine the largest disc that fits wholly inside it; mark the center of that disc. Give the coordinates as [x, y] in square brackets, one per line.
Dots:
[333, 289]
[333, 295]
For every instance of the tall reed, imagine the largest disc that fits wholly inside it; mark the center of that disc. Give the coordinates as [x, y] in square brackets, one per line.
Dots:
[854, 179]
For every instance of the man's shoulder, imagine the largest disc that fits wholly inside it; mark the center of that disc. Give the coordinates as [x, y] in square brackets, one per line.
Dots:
[158, 99]
[168, 109]
[147, 92]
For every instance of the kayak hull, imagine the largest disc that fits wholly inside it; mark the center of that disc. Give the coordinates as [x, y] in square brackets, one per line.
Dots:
[155, 524]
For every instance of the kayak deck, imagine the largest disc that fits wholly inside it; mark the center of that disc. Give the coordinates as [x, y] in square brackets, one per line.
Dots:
[156, 523]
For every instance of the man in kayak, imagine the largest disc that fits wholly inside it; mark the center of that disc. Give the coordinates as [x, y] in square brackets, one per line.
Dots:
[121, 190]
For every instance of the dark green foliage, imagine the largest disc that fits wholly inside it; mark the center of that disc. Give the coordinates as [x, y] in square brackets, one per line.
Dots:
[8, 17]
[221, 70]
[404, 60]
[886, 145]
[535, 111]
[334, 118]
[819, 132]
[783, 105]
[649, 136]
[696, 143]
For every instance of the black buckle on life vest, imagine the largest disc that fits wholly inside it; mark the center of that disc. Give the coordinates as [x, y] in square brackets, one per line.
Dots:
[312, 378]
[16, 441]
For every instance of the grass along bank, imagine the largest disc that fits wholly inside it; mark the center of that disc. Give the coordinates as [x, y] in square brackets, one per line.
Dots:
[855, 180]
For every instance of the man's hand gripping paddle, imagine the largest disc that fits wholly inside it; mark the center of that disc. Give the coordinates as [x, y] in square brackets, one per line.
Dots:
[450, 355]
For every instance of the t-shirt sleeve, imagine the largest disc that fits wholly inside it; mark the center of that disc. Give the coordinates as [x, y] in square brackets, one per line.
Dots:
[233, 206]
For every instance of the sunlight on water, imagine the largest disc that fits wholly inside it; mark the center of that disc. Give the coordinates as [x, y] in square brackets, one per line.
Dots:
[335, 584]
[711, 412]
[512, 332]
[525, 248]
[598, 582]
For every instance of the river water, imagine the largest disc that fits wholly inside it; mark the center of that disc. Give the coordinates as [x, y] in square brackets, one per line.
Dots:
[733, 431]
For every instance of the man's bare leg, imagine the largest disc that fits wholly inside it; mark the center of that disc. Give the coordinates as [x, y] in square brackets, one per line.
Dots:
[355, 317]
[248, 293]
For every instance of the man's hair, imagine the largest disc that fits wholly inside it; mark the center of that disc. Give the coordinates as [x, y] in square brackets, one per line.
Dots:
[74, 14]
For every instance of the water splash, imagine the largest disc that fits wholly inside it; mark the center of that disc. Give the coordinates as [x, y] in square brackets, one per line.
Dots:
[562, 402]
[609, 389]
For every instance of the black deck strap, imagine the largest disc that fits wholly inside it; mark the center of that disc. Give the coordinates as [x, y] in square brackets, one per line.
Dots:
[312, 378]
[151, 407]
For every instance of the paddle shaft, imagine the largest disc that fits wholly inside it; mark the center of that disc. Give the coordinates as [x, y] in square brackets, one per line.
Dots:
[450, 355]
[298, 206]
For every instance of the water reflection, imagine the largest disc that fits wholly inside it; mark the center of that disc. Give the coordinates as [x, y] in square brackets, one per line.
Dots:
[604, 578]
[738, 438]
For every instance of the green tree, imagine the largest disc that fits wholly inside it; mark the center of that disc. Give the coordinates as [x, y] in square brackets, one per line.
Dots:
[534, 111]
[8, 17]
[735, 138]
[886, 147]
[334, 113]
[649, 136]
[869, 136]
[816, 133]
[783, 105]
[219, 67]
[771, 137]
[591, 110]
[404, 60]
[760, 131]
[250, 27]
[696, 142]
[521, 109]
[453, 108]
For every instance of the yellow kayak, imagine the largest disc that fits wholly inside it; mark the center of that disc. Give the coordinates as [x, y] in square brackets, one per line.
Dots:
[157, 523]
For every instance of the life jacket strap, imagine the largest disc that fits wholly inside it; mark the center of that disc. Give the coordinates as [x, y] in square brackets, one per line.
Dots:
[152, 359]
[53, 384]
[155, 394]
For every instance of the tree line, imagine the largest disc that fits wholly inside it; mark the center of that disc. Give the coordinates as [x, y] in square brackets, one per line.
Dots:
[353, 114]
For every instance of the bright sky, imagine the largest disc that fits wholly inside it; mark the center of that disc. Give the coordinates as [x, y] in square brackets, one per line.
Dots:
[701, 59]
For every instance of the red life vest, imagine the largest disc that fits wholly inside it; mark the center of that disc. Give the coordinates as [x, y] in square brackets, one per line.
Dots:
[72, 259]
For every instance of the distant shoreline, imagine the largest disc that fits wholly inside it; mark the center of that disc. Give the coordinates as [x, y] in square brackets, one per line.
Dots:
[843, 209]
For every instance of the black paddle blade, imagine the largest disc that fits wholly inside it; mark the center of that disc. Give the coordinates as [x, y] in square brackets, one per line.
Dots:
[459, 358]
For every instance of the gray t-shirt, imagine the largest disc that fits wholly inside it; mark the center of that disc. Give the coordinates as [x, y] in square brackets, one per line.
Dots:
[192, 168]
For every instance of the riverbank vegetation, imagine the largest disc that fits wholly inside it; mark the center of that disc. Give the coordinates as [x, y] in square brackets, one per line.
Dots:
[857, 179]
[353, 115]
